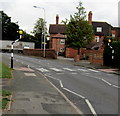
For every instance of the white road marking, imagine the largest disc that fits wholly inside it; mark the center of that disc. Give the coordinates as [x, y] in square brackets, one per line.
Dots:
[30, 74]
[74, 93]
[115, 86]
[55, 69]
[61, 84]
[68, 69]
[93, 70]
[91, 107]
[59, 73]
[52, 77]
[83, 70]
[106, 82]
[79, 112]
[42, 69]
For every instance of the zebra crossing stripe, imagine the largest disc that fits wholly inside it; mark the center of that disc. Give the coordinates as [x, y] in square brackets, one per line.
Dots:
[93, 70]
[68, 69]
[82, 70]
[42, 70]
[55, 69]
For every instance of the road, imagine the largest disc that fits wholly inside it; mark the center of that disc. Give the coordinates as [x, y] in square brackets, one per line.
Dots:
[92, 91]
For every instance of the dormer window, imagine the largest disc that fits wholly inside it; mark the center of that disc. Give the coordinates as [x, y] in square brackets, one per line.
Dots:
[99, 29]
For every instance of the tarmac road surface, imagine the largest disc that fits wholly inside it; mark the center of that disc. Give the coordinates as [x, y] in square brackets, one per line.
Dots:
[92, 91]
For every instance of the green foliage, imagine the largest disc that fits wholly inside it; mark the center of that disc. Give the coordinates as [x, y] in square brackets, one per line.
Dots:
[39, 31]
[79, 32]
[108, 55]
[9, 29]
[27, 37]
[6, 93]
[5, 71]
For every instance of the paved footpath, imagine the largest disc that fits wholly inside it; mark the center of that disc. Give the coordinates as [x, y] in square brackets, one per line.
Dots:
[33, 94]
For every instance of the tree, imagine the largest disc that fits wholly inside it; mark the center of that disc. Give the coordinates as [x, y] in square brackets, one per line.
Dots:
[9, 29]
[39, 31]
[27, 37]
[79, 32]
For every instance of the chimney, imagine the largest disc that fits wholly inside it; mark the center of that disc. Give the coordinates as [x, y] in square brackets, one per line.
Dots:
[57, 19]
[90, 17]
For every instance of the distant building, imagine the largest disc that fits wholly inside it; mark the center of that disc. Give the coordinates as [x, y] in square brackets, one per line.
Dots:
[101, 29]
[57, 37]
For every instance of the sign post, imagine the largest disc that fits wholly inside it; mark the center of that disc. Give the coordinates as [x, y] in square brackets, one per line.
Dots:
[20, 32]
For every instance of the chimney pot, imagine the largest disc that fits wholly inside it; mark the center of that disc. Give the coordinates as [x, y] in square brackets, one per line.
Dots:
[57, 19]
[90, 17]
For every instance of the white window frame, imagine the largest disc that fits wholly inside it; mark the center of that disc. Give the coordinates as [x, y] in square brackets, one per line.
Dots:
[62, 41]
[99, 29]
[62, 49]
[97, 38]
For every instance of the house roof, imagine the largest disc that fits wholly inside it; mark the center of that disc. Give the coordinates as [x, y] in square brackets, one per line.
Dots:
[105, 28]
[57, 28]
[59, 36]
[94, 45]
[118, 30]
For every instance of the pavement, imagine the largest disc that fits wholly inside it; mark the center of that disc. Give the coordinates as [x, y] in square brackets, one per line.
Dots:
[32, 93]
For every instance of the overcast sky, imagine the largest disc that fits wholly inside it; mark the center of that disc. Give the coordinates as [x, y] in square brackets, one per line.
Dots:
[23, 12]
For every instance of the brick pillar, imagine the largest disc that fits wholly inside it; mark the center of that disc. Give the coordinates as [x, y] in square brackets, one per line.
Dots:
[77, 58]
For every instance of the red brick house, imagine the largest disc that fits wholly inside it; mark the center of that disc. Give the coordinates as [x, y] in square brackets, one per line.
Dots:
[101, 29]
[57, 36]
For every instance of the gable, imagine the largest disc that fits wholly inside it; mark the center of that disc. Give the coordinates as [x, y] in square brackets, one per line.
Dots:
[101, 28]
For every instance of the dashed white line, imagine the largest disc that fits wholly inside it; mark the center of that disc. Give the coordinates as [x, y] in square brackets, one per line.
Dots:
[115, 86]
[106, 82]
[74, 93]
[91, 107]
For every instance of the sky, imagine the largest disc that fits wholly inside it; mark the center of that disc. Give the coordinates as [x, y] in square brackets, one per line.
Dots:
[23, 12]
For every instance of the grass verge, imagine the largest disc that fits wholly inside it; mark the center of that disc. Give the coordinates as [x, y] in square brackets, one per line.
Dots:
[5, 71]
[5, 98]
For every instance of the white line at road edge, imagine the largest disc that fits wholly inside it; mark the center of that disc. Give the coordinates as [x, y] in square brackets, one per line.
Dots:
[77, 110]
[86, 100]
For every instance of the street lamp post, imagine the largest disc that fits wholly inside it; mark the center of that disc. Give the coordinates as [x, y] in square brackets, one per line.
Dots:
[44, 43]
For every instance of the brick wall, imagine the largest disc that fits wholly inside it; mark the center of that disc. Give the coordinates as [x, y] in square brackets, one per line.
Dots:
[95, 56]
[50, 53]
[70, 52]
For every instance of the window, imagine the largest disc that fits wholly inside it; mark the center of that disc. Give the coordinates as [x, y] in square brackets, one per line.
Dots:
[62, 41]
[99, 29]
[62, 49]
[97, 38]
[113, 35]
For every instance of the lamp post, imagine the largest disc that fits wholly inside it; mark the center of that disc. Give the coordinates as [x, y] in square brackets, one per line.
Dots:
[44, 43]
[20, 32]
